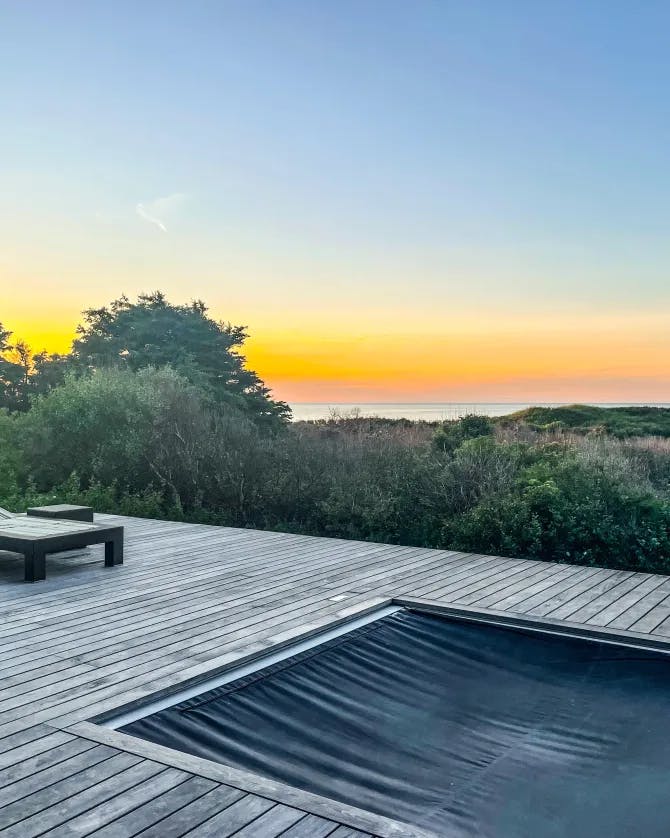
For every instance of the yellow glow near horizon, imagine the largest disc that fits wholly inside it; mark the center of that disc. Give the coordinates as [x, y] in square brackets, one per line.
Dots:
[469, 358]
[562, 361]
[472, 223]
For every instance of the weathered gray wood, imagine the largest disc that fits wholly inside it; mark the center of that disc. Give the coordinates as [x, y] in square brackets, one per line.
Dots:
[121, 804]
[311, 826]
[472, 579]
[242, 812]
[49, 776]
[143, 578]
[69, 808]
[608, 602]
[465, 569]
[521, 590]
[653, 618]
[502, 588]
[326, 808]
[636, 613]
[37, 745]
[100, 767]
[271, 824]
[241, 596]
[195, 597]
[64, 691]
[33, 766]
[195, 813]
[45, 629]
[583, 587]
[566, 609]
[8, 743]
[565, 588]
[157, 809]
[496, 581]
[68, 511]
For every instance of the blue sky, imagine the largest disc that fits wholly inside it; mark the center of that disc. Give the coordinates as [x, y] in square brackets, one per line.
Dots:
[339, 169]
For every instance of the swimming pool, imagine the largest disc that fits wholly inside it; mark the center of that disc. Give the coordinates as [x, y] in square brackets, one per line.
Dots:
[461, 728]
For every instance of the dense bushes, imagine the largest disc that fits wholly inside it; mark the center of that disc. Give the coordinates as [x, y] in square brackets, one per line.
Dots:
[564, 508]
[621, 422]
[148, 333]
[152, 443]
[451, 435]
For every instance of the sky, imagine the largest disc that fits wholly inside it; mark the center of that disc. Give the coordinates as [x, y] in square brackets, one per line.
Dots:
[403, 201]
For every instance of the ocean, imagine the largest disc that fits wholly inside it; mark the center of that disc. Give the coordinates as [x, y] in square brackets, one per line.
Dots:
[437, 412]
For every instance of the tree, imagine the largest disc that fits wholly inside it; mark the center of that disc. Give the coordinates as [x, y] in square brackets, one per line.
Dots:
[4, 339]
[15, 360]
[24, 375]
[154, 333]
[49, 370]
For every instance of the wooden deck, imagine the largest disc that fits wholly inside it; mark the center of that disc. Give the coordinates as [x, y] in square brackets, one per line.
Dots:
[189, 599]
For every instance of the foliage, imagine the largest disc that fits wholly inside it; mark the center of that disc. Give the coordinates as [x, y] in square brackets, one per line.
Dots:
[14, 371]
[126, 430]
[155, 414]
[450, 435]
[154, 333]
[580, 418]
[566, 509]
[152, 443]
[148, 333]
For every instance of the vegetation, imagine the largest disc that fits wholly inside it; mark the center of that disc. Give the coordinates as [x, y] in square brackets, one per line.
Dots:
[132, 423]
[148, 333]
[581, 418]
[451, 435]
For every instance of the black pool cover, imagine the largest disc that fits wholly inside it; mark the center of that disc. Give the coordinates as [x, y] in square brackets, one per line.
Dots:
[462, 729]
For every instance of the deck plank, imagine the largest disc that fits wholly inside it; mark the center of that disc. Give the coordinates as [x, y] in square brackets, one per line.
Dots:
[121, 804]
[519, 589]
[195, 813]
[36, 744]
[154, 811]
[311, 826]
[33, 766]
[95, 767]
[242, 813]
[273, 823]
[607, 599]
[188, 597]
[634, 616]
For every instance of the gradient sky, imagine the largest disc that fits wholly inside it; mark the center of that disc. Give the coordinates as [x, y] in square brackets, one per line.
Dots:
[412, 201]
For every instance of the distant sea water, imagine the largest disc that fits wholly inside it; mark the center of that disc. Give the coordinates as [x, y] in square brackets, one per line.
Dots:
[436, 412]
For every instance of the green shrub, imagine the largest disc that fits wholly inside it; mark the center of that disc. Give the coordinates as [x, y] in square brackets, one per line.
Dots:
[569, 511]
[452, 434]
[150, 430]
[153, 444]
[620, 422]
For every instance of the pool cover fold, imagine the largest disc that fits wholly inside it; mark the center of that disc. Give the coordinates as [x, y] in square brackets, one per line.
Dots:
[459, 728]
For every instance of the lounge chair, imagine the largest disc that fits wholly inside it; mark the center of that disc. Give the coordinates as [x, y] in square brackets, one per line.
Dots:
[35, 537]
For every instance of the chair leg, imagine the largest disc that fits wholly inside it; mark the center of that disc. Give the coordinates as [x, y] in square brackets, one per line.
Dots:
[35, 565]
[114, 552]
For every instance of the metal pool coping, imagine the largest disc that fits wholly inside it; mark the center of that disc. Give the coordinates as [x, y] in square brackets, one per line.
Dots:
[101, 728]
[245, 669]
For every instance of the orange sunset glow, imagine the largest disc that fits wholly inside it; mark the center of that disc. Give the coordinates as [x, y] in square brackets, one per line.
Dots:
[458, 224]
[554, 358]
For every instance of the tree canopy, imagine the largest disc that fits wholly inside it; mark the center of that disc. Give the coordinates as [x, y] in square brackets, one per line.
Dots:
[151, 332]
[15, 361]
